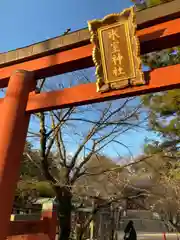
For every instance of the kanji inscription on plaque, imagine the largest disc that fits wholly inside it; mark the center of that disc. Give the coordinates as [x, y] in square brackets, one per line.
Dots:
[116, 51]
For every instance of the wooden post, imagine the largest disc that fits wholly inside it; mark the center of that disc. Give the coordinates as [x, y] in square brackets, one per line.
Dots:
[13, 129]
[49, 214]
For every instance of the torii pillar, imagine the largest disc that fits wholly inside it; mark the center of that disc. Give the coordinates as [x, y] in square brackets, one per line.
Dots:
[14, 123]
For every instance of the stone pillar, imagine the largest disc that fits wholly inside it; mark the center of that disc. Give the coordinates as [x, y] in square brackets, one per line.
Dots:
[13, 129]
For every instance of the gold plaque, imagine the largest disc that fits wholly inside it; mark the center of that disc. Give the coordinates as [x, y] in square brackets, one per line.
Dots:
[116, 51]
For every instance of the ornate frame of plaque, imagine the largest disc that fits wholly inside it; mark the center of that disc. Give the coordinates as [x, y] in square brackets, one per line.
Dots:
[116, 51]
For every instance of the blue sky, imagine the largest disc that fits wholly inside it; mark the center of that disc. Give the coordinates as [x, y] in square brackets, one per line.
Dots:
[24, 22]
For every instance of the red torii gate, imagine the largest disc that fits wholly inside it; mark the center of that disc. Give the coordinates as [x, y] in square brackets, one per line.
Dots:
[158, 28]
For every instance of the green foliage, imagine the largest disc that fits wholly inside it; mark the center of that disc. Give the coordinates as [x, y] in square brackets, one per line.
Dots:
[27, 192]
[164, 111]
[30, 165]
[164, 107]
[44, 189]
[164, 119]
[163, 58]
[32, 183]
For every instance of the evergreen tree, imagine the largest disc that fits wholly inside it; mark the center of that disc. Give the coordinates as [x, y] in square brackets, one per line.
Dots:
[164, 107]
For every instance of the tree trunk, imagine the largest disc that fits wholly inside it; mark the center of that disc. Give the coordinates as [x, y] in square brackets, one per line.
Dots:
[64, 198]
